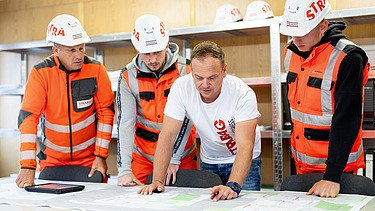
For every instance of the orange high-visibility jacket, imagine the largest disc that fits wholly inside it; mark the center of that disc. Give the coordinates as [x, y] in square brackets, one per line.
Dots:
[141, 100]
[311, 84]
[78, 110]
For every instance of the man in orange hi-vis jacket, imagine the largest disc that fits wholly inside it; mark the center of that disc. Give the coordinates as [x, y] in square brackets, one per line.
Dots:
[326, 78]
[74, 94]
[143, 90]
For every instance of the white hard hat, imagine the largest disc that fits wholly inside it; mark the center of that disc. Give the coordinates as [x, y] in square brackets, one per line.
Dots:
[227, 13]
[258, 10]
[300, 17]
[66, 30]
[149, 34]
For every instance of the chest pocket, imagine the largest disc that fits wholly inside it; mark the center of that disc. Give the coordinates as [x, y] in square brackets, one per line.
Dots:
[317, 83]
[147, 96]
[83, 93]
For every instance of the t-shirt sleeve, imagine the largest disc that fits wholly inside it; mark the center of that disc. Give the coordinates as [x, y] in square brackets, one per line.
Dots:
[246, 108]
[175, 107]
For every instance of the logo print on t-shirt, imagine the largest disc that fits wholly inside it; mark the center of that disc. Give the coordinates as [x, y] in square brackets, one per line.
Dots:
[225, 137]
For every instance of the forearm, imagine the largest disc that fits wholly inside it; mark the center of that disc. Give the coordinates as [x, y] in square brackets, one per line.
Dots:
[245, 138]
[241, 166]
[162, 157]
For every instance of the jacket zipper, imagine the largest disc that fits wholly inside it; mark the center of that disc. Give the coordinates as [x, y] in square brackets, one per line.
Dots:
[69, 117]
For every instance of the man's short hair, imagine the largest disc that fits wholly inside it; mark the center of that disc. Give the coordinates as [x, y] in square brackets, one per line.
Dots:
[208, 48]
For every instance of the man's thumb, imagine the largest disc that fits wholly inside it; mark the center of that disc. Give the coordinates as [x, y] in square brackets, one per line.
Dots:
[91, 172]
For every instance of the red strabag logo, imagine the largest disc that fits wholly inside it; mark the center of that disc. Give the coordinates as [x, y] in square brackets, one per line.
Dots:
[225, 137]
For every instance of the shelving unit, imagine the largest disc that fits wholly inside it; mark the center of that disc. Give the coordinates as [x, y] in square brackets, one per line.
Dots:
[187, 35]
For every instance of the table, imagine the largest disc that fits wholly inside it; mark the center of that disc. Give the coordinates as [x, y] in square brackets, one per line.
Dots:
[111, 197]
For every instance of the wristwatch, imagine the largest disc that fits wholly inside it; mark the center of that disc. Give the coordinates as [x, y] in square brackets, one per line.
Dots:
[235, 187]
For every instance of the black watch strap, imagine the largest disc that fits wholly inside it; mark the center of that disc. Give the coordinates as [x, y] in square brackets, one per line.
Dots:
[235, 187]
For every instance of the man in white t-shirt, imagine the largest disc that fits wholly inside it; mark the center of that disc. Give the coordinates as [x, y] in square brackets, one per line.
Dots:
[224, 111]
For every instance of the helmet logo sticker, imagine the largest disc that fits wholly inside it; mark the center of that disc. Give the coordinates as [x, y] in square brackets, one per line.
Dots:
[266, 8]
[136, 34]
[151, 42]
[235, 12]
[162, 28]
[314, 8]
[77, 36]
[53, 30]
[292, 24]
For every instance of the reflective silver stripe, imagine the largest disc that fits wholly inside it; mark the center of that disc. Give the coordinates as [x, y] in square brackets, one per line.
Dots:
[189, 150]
[102, 143]
[288, 57]
[151, 158]
[310, 118]
[353, 157]
[326, 94]
[105, 127]
[63, 149]
[76, 127]
[139, 151]
[25, 138]
[27, 155]
[342, 43]
[147, 123]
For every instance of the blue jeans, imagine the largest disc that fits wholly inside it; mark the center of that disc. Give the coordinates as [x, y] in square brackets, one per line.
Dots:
[252, 181]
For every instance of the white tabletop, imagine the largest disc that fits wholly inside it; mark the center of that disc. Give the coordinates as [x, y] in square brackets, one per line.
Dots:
[111, 197]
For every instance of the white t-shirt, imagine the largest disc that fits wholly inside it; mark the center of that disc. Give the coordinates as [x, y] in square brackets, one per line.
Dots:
[215, 121]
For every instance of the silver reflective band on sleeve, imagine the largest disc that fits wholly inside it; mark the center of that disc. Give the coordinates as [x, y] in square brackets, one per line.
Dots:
[287, 59]
[105, 127]
[28, 138]
[353, 157]
[310, 118]
[76, 127]
[27, 155]
[102, 143]
[151, 158]
[64, 149]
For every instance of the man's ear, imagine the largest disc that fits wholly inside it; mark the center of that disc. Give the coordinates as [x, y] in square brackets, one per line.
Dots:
[55, 50]
[324, 25]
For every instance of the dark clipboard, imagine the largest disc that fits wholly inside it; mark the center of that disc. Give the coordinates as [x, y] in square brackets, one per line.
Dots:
[55, 188]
